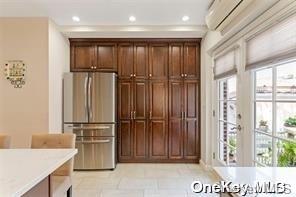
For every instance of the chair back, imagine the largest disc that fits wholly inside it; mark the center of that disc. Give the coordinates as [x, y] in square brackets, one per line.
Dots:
[4, 141]
[56, 141]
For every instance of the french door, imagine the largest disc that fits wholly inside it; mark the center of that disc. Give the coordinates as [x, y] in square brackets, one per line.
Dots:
[232, 147]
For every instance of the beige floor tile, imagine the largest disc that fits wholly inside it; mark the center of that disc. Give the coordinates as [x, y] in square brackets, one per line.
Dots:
[137, 183]
[162, 173]
[86, 193]
[165, 193]
[122, 193]
[96, 183]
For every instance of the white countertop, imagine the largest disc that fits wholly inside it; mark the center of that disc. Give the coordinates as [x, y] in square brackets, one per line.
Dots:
[22, 169]
[251, 175]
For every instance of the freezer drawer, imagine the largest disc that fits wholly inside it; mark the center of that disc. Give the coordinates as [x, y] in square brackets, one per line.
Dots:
[95, 153]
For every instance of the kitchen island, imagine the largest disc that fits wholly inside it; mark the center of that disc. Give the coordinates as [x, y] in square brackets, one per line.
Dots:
[27, 170]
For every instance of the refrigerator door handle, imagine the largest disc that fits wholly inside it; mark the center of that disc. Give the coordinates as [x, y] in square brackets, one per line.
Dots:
[89, 97]
[93, 142]
[85, 96]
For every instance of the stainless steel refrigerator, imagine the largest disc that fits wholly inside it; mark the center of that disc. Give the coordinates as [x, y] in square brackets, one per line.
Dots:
[90, 113]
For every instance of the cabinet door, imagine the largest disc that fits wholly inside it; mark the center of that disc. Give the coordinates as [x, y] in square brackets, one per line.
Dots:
[158, 64]
[125, 139]
[125, 61]
[140, 139]
[176, 61]
[158, 139]
[82, 57]
[176, 134]
[140, 61]
[191, 135]
[140, 99]
[191, 60]
[158, 120]
[125, 100]
[107, 57]
[157, 99]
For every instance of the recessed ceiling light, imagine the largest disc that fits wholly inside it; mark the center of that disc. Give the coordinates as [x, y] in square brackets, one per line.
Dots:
[185, 18]
[75, 18]
[132, 18]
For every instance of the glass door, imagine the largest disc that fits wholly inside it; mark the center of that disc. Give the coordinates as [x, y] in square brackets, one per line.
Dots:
[227, 125]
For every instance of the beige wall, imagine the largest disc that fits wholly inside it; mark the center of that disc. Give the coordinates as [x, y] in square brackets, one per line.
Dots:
[37, 107]
[24, 111]
[59, 61]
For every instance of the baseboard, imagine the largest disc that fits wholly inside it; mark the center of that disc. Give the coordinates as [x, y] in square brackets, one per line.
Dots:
[205, 166]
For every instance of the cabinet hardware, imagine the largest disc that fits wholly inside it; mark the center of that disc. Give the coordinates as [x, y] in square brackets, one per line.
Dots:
[131, 115]
[131, 75]
[134, 75]
[185, 75]
[134, 114]
[150, 75]
[150, 115]
[182, 75]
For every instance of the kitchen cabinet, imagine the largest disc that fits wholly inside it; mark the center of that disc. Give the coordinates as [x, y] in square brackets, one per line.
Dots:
[132, 61]
[158, 119]
[106, 57]
[184, 61]
[83, 56]
[158, 61]
[183, 119]
[133, 108]
[93, 57]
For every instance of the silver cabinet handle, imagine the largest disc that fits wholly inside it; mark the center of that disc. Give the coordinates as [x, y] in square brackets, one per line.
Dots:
[182, 75]
[134, 75]
[185, 75]
[93, 142]
[131, 75]
[150, 115]
[131, 116]
[134, 114]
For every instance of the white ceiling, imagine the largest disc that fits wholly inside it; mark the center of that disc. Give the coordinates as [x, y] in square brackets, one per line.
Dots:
[110, 12]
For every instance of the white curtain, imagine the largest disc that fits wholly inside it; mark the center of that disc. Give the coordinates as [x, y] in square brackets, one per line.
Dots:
[278, 43]
[226, 64]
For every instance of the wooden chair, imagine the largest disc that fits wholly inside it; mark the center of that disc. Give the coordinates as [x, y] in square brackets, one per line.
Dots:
[4, 141]
[61, 179]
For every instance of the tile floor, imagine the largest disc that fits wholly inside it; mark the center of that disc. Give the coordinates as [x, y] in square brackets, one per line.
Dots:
[141, 180]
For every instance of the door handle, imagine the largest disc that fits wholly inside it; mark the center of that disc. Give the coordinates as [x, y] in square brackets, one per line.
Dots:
[239, 128]
[89, 97]
[85, 96]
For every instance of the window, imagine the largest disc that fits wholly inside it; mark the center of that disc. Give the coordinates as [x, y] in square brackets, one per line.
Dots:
[275, 115]
[227, 120]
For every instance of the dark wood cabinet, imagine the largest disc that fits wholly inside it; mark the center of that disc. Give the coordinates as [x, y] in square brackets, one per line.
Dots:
[191, 60]
[158, 119]
[133, 61]
[158, 94]
[106, 57]
[158, 61]
[83, 56]
[183, 119]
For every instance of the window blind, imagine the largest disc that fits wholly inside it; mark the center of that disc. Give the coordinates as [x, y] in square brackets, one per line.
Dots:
[226, 64]
[276, 44]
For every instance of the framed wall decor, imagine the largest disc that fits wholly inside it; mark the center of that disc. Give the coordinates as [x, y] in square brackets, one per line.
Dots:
[15, 71]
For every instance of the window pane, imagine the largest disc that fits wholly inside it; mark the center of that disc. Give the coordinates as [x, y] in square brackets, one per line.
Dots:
[223, 150]
[231, 84]
[286, 120]
[263, 119]
[286, 82]
[286, 153]
[228, 111]
[264, 84]
[263, 149]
